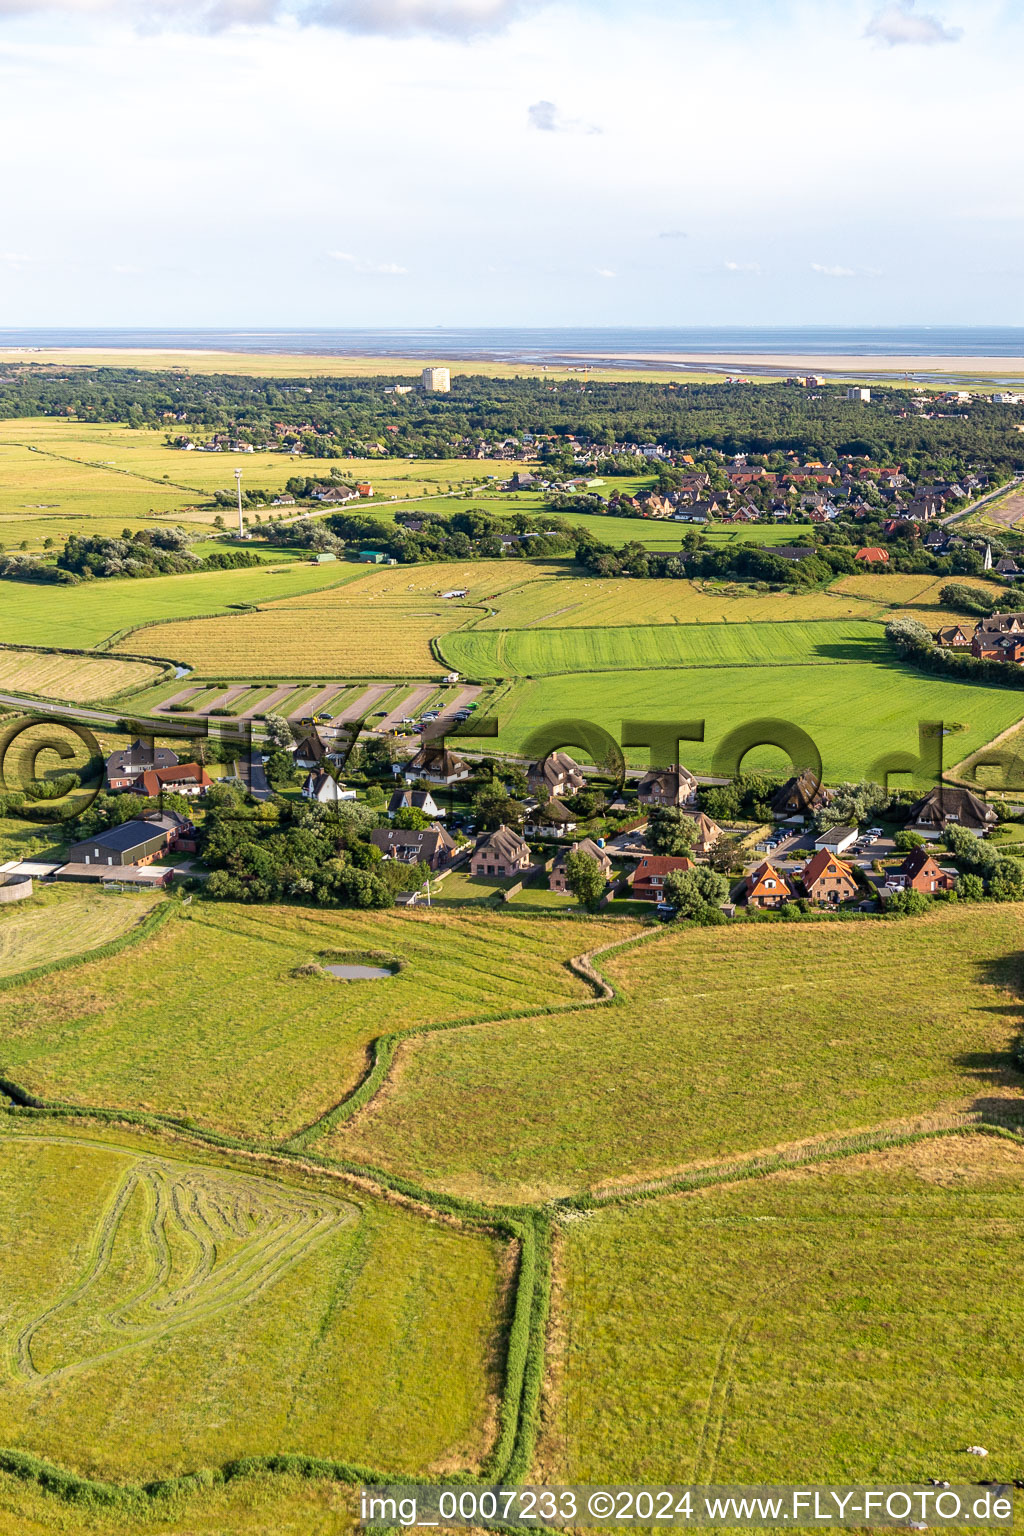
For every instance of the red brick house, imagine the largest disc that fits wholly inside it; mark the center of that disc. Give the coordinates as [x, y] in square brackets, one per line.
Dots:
[556, 880]
[766, 887]
[648, 879]
[919, 872]
[827, 880]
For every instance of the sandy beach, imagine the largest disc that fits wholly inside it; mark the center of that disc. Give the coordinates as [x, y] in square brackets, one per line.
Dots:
[827, 365]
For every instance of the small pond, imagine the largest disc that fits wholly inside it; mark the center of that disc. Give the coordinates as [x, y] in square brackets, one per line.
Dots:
[359, 972]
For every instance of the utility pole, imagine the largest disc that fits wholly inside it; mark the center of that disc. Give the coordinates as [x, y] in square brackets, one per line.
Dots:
[238, 484]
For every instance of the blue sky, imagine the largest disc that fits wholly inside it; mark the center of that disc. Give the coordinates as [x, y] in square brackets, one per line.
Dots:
[476, 162]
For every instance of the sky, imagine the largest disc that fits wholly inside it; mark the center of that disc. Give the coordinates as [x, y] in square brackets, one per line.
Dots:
[336, 163]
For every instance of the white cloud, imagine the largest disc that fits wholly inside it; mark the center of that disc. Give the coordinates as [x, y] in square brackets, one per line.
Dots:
[673, 234]
[899, 23]
[388, 18]
[753, 267]
[816, 266]
[546, 118]
[376, 268]
[605, 272]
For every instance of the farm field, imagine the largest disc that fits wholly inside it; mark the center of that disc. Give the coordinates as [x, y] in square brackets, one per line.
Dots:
[78, 679]
[89, 614]
[220, 1033]
[551, 652]
[141, 1271]
[730, 1040]
[796, 1329]
[883, 699]
[379, 623]
[66, 920]
[563, 600]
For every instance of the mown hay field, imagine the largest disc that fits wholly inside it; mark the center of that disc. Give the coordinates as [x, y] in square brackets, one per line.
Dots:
[856, 714]
[728, 1040]
[166, 1313]
[79, 679]
[220, 1032]
[378, 624]
[549, 652]
[88, 614]
[800, 1329]
[568, 601]
[60, 921]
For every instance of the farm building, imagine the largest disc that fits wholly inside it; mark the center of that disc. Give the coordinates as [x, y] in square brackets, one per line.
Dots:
[503, 852]
[134, 842]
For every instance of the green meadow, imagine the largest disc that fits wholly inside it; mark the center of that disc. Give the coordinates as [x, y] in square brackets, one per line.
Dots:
[725, 1041]
[854, 1323]
[549, 652]
[246, 1311]
[220, 1033]
[859, 714]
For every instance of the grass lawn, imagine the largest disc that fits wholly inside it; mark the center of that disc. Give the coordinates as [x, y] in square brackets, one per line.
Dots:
[66, 920]
[729, 1040]
[854, 1323]
[855, 713]
[76, 679]
[169, 1313]
[549, 652]
[220, 1032]
[460, 889]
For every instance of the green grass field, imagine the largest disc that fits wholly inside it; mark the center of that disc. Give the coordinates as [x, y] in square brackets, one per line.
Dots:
[729, 1041]
[90, 614]
[856, 713]
[220, 1032]
[249, 1312]
[551, 652]
[65, 920]
[797, 1330]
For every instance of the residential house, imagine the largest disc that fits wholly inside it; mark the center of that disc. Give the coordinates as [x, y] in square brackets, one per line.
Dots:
[434, 846]
[872, 556]
[707, 834]
[1002, 624]
[326, 790]
[557, 878]
[310, 752]
[414, 800]
[502, 852]
[558, 774]
[667, 786]
[648, 879]
[827, 880]
[947, 805]
[436, 765]
[799, 796]
[989, 645]
[1007, 566]
[954, 637]
[189, 779]
[124, 767]
[793, 552]
[920, 872]
[836, 840]
[766, 887]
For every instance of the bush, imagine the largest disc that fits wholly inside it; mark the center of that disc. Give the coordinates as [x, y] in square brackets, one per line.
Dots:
[906, 841]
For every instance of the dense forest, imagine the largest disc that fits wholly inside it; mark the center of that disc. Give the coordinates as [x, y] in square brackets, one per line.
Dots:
[331, 417]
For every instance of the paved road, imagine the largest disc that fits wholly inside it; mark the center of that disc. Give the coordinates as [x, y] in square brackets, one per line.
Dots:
[982, 501]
